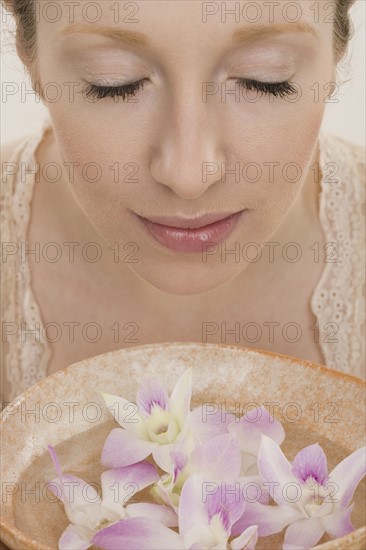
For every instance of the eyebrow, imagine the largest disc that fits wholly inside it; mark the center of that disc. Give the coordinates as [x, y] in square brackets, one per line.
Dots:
[130, 38]
[259, 31]
[136, 38]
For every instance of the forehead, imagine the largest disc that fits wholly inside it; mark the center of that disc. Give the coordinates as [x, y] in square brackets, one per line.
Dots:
[184, 19]
[182, 33]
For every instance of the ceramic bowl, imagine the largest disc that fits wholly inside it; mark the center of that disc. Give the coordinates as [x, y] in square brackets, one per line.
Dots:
[66, 410]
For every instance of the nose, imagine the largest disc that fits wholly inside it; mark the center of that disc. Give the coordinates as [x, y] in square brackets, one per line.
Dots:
[188, 156]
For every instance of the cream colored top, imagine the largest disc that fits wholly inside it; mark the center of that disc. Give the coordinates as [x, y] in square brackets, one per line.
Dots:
[338, 301]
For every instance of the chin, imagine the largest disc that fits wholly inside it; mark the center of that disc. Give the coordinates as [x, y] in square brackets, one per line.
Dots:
[185, 279]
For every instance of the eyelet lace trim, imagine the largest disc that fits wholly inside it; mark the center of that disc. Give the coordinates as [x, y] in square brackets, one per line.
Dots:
[28, 355]
[338, 301]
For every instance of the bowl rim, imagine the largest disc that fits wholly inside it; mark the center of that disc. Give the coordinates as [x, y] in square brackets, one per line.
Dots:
[287, 358]
[13, 533]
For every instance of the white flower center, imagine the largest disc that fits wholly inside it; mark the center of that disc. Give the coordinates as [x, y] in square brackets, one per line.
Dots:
[207, 536]
[312, 497]
[161, 426]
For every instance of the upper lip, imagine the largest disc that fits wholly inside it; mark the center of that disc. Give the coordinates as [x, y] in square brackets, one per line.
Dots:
[184, 222]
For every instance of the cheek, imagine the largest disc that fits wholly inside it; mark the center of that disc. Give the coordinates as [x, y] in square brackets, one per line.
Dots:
[89, 136]
[282, 126]
[273, 145]
[101, 157]
[282, 130]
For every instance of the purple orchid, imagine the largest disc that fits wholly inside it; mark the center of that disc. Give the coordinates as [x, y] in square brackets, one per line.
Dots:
[88, 512]
[218, 472]
[205, 522]
[154, 424]
[215, 461]
[209, 420]
[309, 501]
[249, 429]
[206, 423]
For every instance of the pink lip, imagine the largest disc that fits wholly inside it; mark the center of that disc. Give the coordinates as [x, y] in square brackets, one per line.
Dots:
[189, 223]
[189, 235]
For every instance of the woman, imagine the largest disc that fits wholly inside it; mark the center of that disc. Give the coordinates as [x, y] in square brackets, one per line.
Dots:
[181, 189]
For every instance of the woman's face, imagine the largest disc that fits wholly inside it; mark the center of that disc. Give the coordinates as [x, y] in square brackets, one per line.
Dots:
[197, 137]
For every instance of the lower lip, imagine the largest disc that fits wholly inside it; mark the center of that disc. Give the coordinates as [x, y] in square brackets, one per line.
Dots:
[191, 240]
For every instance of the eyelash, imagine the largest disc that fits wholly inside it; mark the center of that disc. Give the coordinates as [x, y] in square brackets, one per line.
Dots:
[124, 90]
[276, 89]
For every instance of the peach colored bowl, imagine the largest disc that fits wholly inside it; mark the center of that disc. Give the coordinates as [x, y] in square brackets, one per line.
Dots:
[315, 404]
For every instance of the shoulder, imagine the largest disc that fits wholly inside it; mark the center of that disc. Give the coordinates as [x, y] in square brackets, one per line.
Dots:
[342, 202]
[21, 149]
[12, 154]
[11, 150]
[18, 161]
[348, 158]
[338, 144]
[339, 296]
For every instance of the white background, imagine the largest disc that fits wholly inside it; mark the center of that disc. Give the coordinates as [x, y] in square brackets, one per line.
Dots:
[345, 118]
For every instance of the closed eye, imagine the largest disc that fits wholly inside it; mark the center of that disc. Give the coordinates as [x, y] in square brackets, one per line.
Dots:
[277, 89]
[123, 90]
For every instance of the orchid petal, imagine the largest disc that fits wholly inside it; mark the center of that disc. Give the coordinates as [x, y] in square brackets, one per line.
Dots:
[70, 540]
[58, 469]
[180, 399]
[179, 461]
[81, 501]
[156, 512]
[228, 502]
[138, 533]
[183, 445]
[269, 519]
[217, 459]
[247, 540]
[201, 537]
[125, 412]
[249, 465]
[303, 534]
[192, 510]
[84, 502]
[207, 423]
[347, 475]
[186, 442]
[120, 484]
[55, 460]
[339, 524]
[311, 462]
[150, 394]
[173, 430]
[163, 495]
[275, 468]
[253, 489]
[252, 425]
[80, 492]
[123, 448]
[199, 504]
[161, 456]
